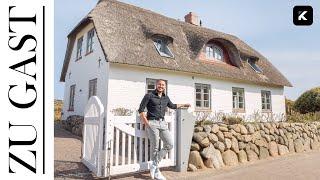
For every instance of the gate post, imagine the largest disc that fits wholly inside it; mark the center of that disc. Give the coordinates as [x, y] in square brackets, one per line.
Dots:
[185, 128]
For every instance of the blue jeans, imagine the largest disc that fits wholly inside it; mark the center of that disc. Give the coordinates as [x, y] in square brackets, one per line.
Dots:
[156, 130]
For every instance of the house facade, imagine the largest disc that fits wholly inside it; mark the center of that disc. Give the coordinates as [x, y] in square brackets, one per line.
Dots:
[118, 51]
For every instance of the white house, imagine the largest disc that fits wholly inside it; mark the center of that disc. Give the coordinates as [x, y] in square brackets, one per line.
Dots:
[118, 51]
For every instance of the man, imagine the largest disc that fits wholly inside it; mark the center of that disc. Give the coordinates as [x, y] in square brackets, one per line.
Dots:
[156, 103]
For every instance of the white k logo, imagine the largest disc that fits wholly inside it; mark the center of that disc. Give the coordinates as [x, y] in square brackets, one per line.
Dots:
[301, 16]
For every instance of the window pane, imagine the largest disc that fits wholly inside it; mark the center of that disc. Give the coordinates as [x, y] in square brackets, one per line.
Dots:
[205, 96]
[240, 99]
[198, 103]
[241, 105]
[263, 106]
[268, 106]
[206, 103]
[206, 89]
[198, 89]
[198, 96]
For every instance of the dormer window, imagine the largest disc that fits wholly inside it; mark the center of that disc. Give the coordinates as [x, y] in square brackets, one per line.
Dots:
[162, 47]
[253, 65]
[214, 52]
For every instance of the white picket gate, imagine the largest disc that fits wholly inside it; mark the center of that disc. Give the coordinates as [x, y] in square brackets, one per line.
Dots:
[92, 156]
[129, 145]
[119, 144]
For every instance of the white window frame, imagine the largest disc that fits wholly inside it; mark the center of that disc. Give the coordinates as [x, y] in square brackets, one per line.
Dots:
[202, 93]
[265, 105]
[90, 36]
[72, 92]
[239, 93]
[161, 46]
[79, 48]
[211, 52]
[93, 85]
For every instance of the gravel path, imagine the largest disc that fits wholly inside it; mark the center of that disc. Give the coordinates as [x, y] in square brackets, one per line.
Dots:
[302, 166]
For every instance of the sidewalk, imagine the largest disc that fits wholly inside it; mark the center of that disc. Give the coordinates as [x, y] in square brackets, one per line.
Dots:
[302, 166]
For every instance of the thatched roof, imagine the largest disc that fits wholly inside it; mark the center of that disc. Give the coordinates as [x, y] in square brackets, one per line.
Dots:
[125, 33]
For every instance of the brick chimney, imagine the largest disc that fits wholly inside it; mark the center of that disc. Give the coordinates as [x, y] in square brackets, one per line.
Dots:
[192, 18]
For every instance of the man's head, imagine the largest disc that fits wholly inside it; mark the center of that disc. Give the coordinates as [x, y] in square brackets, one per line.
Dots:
[161, 85]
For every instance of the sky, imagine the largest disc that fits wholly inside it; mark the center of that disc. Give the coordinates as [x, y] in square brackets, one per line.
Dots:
[265, 25]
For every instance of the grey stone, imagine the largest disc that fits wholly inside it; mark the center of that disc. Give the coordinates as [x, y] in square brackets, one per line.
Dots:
[212, 138]
[264, 153]
[199, 136]
[198, 129]
[215, 128]
[250, 128]
[192, 167]
[207, 128]
[273, 149]
[234, 145]
[230, 158]
[282, 149]
[220, 146]
[207, 152]
[220, 136]
[291, 146]
[195, 146]
[242, 145]
[252, 156]
[242, 156]
[204, 143]
[298, 146]
[196, 160]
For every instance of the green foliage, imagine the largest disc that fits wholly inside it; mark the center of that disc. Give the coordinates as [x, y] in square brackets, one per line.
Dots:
[121, 112]
[309, 101]
[308, 117]
[232, 120]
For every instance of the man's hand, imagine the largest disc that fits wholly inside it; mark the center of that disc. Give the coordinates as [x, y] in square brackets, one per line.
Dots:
[183, 105]
[144, 119]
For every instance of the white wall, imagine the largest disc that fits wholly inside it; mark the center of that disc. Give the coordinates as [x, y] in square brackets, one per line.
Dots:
[82, 71]
[127, 86]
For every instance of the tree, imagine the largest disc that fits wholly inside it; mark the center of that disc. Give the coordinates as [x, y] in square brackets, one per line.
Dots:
[309, 101]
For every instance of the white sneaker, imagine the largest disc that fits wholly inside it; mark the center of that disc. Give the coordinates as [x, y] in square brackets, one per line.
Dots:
[159, 176]
[153, 169]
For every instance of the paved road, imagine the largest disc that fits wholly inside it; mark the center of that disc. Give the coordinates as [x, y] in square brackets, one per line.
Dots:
[302, 166]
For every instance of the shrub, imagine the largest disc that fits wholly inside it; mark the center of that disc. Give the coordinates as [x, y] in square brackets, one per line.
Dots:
[309, 101]
[57, 109]
[232, 120]
[308, 117]
[122, 112]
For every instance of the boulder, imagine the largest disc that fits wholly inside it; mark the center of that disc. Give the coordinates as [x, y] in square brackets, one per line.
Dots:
[217, 159]
[220, 136]
[242, 156]
[207, 128]
[273, 149]
[242, 145]
[223, 129]
[227, 135]
[230, 158]
[194, 146]
[204, 143]
[243, 129]
[196, 160]
[264, 152]
[199, 136]
[247, 138]
[198, 129]
[215, 128]
[220, 146]
[250, 128]
[234, 145]
[208, 162]
[261, 142]
[227, 143]
[315, 145]
[298, 146]
[291, 146]
[212, 138]
[252, 156]
[208, 151]
[192, 167]
[283, 150]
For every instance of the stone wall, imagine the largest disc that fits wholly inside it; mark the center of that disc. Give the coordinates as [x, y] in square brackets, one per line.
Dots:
[219, 145]
[73, 124]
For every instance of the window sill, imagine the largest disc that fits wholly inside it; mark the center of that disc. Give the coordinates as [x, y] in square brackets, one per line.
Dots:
[266, 111]
[202, 110]
[238, 110]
